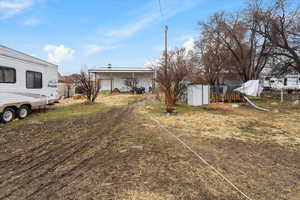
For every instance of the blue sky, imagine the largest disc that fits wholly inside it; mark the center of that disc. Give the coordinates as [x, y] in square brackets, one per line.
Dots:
[125, 33]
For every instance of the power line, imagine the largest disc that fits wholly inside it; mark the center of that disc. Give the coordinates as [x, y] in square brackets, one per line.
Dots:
[160, 9]
[200, 158]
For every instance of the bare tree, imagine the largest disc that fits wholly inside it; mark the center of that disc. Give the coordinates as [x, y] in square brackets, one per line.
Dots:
[213, 56]
[249, 51]
[89, 85]
[131, 83]
[280, 25]
[172, 76]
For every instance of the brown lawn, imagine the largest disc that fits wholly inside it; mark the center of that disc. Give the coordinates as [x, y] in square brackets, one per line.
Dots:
[111, 150]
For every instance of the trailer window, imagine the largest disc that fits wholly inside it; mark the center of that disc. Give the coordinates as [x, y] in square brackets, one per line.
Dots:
[34, 80]
[7, 75]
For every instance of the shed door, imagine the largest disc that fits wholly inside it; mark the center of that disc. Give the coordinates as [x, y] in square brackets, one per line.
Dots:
[206, 94]
[198, 95]
[190, 95]
[195, 95]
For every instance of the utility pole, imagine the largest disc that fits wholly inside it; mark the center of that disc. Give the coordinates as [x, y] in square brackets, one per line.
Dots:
[166, 46]
[166, 63]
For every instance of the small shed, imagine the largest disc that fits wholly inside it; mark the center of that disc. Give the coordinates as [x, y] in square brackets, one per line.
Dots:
[198, 95]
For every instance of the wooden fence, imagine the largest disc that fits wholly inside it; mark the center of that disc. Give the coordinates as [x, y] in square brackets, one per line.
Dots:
[229, 97]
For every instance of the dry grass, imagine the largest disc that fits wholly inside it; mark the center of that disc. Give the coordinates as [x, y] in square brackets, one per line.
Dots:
[144, 195]
[254, 149]
[118, 99]
[89, 157]
[84, 152]
[107, 99]
[69, 102]
[223, 121]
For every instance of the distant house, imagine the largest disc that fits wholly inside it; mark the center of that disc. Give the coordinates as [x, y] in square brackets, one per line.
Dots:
[66, 86]
[111, 78]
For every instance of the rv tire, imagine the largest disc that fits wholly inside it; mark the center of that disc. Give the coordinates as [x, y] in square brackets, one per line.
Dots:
[23, 112]
[7, 115]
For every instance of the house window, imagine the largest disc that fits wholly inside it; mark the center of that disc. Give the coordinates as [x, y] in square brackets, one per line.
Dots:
[34, 80]
[7, 75]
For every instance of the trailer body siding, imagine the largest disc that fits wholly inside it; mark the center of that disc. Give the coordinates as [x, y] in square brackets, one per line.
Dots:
[18, 93]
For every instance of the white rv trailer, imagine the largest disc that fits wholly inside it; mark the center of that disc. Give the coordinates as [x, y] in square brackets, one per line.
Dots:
[288, 82]
[26, 83]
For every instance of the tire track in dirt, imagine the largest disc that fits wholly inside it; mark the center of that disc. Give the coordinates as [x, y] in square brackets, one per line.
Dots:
[39, 176]
[68, 156]
[15, 158]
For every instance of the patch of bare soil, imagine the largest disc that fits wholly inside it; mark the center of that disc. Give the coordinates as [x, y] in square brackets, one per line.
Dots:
[39, 160]
[110, 156]
[120, 154]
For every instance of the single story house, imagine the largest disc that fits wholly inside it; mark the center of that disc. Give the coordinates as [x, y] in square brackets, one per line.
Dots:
[111, 78]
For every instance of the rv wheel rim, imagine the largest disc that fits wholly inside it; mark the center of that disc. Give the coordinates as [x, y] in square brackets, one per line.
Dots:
[8, 116]
[23, 113]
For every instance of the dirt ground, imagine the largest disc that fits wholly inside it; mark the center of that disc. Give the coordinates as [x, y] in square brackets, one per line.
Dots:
[115, 151]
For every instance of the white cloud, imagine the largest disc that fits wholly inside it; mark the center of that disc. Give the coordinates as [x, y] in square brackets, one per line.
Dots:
[185, 37]
[170, 9]
[149, 15]
[152, 63]
[58, 54]
[94, 48]
[32, 22]
[130, 29]
[189, 44]
[9, 8]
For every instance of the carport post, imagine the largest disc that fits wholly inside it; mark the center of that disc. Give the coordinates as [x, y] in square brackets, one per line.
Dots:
[111, 83]
[96, 81]
[133, 82]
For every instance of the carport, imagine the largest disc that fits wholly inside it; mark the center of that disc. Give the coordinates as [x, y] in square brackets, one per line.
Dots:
[114, 77]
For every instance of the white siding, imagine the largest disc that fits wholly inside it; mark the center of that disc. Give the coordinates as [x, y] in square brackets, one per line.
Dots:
[105, 85]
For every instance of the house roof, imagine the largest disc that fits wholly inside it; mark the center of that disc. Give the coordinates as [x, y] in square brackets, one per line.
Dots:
[121, 69]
